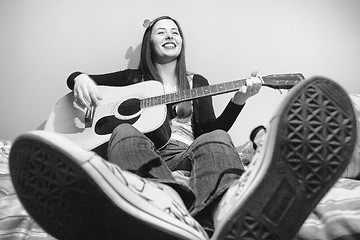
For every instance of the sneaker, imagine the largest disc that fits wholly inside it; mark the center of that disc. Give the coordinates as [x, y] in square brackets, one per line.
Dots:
[307, 146]
[74, 194]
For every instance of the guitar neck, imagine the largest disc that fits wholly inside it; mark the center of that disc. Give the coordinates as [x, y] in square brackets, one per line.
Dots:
[276, 81]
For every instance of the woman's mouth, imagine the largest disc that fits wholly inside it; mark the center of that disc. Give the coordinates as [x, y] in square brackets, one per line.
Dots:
[169, 45]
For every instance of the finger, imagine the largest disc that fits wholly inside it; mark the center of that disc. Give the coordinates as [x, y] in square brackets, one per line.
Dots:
[257, 87]
[84, 96]
[254, 73]
[78, 102]
[257, 83]
[94, 95]
[83, 101]
[254, 86]
[76, 98]
[249, 84]
[94, 98]
[87, 98]
[98, 93]
[243, 89]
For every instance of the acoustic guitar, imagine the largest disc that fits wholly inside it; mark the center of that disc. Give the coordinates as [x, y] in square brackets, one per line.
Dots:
[143, 105]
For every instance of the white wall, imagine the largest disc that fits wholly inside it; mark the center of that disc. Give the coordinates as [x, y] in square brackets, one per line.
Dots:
[43, 41]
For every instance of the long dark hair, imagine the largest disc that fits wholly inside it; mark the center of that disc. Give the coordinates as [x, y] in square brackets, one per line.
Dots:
[149, 71]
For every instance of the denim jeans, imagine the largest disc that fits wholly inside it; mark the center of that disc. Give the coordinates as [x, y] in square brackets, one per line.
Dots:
[208, 156]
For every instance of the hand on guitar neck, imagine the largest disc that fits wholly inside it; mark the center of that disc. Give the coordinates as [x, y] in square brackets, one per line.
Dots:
[251, 87]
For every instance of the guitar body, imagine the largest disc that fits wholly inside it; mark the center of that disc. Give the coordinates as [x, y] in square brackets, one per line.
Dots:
[119, 105]
[143, 105]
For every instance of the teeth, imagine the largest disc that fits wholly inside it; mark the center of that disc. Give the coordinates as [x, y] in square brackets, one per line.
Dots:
[169, 45]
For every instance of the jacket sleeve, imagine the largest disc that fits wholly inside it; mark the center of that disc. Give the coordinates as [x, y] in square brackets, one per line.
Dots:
[119, 78]
[204, 119]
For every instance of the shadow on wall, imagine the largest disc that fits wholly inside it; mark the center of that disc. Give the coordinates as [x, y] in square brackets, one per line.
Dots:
[133, 56]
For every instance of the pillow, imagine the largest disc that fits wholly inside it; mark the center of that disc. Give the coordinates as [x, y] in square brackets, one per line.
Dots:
[4, 151]
[337, 215]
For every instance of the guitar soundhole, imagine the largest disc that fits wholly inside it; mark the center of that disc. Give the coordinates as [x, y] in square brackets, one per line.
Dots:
[129, 107]
[127, 111]
[106, 125]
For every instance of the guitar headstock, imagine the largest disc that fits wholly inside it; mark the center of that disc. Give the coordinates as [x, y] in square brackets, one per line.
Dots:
[282, 81]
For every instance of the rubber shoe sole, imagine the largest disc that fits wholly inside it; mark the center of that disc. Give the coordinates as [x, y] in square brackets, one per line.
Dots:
[307, 147]
[74, 194]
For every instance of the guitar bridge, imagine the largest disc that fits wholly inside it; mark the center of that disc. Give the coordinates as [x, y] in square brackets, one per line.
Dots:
[89, 117]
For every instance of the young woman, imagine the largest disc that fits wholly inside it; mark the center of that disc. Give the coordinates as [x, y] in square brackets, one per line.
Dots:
[199, 144]
[150, 200]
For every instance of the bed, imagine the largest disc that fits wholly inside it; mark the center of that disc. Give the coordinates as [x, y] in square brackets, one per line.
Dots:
[337, 216]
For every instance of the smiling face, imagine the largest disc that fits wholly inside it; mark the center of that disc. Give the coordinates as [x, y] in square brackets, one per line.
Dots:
[166, 41]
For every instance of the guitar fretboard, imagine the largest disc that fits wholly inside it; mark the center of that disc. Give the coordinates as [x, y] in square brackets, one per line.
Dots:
[191, 94]
[277, 81]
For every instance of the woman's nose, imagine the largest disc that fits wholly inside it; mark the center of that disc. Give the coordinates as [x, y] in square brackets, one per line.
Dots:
[169, 36]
